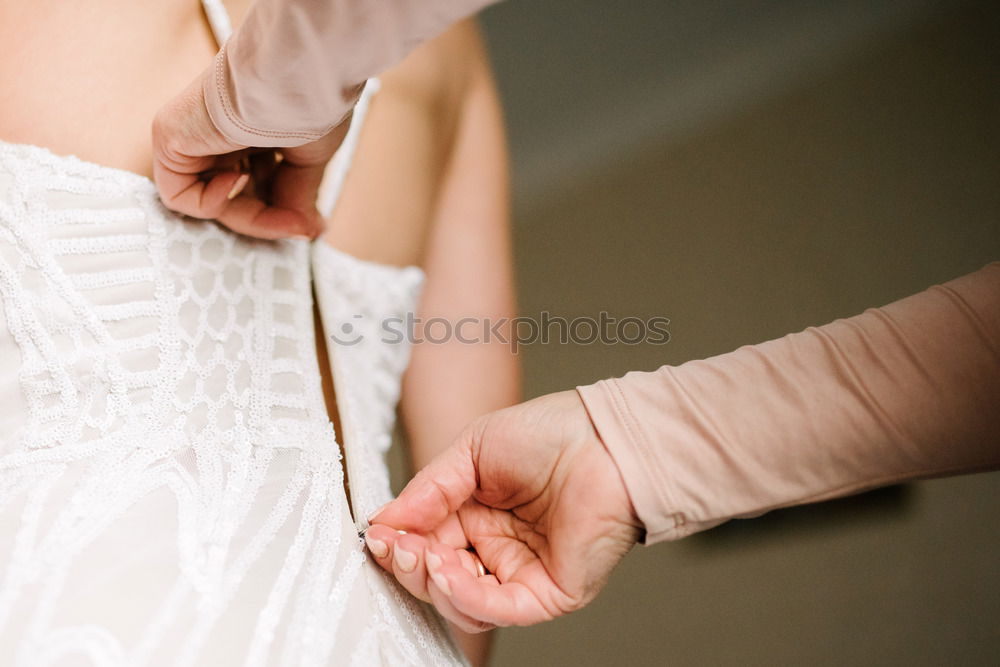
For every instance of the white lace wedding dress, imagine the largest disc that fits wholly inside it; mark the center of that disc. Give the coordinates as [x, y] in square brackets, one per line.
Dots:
[171, 490]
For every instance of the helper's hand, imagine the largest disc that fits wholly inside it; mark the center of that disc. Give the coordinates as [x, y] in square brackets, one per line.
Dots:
[267, 193]
[534, 492]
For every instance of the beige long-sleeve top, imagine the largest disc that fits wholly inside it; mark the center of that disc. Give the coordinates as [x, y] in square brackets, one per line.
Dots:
[907, 391]
[290, 73]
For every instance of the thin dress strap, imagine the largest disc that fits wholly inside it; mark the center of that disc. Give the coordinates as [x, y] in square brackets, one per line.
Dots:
[337, 168]
[218, 18]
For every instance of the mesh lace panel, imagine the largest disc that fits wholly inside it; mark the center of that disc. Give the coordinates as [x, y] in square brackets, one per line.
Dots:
[171, 491]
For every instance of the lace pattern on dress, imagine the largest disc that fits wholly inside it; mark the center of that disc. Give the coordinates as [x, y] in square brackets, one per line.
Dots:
[171, 489]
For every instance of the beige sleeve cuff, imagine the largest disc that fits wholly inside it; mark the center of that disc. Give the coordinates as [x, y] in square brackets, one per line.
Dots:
[644, 465]
[222, 103]
[291, 72]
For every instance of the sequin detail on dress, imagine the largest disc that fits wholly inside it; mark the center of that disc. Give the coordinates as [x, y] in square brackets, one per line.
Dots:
[171, 490]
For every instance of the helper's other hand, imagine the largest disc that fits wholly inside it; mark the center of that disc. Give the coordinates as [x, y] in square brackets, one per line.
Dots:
[532, 492]
[263, 192]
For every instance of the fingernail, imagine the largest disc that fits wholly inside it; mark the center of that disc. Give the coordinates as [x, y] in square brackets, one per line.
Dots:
[441, 583]
[376, 512]
[238, 186]
[406, 561]
[433, 561]
[377, 547]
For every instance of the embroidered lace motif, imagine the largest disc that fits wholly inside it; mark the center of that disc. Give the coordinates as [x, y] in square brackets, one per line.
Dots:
[171, 489]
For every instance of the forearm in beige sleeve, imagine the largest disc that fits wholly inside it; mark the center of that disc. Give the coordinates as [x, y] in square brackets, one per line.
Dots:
[906, 391]
[289, 74]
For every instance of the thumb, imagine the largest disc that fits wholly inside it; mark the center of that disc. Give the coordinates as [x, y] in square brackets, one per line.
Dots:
[438, 490]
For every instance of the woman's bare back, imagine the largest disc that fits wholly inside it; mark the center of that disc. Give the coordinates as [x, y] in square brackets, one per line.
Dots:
[86, 78]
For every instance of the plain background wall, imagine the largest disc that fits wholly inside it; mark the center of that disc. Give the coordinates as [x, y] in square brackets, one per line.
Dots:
[748, 169]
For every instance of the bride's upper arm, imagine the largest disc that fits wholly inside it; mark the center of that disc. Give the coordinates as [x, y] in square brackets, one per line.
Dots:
[470, 283]
[429, 186]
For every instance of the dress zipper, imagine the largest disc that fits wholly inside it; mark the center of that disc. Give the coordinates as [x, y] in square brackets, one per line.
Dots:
[348, 436]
